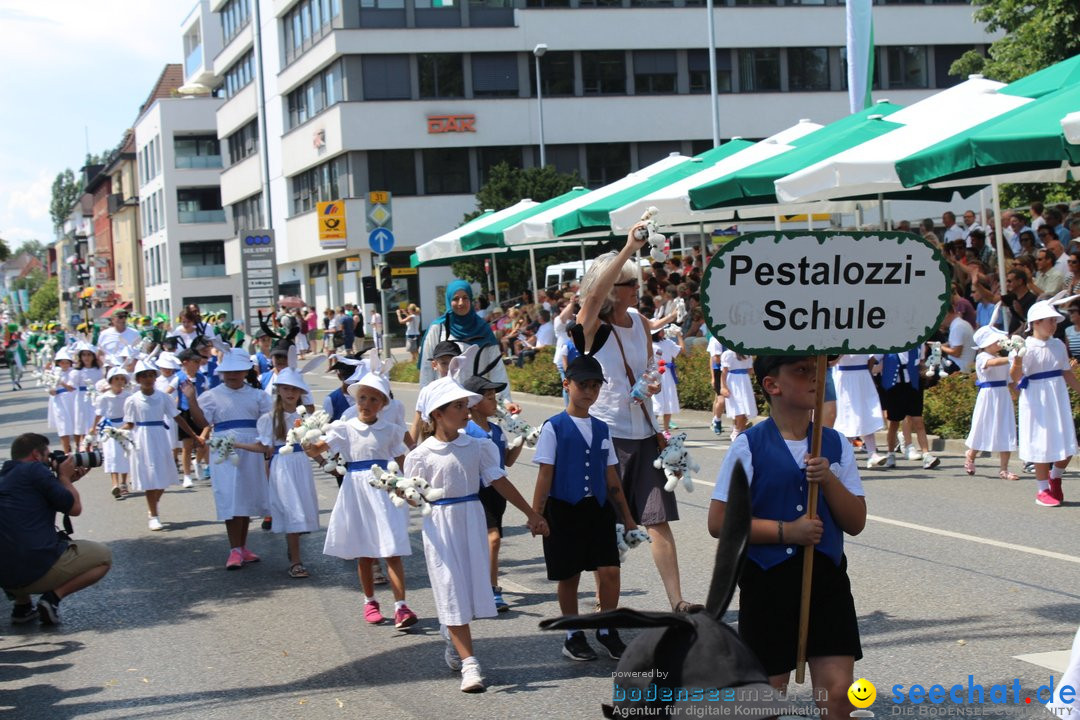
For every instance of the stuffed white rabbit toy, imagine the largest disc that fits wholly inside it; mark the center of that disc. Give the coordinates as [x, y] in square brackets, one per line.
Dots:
[415, 490]
[677, 464]
[661, 248]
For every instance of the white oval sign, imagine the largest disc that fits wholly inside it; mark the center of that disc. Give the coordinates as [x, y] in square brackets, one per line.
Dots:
[824, 293]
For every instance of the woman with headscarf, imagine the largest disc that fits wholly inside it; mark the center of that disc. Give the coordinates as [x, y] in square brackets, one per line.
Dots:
[462, 325]
[609, 294]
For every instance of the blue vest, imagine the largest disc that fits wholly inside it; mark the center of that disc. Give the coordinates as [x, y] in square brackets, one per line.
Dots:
[265, 378]
[211, 372]
[579, 468]
[262, 362]
[890, 366]
[339, 403]
[778, 491]
[496, 437]
[199, 382]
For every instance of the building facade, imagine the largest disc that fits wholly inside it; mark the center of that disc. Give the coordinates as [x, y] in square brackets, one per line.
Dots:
[123, 208]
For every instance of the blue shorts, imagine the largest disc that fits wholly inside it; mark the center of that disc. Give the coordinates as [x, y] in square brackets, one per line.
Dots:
[830, 387]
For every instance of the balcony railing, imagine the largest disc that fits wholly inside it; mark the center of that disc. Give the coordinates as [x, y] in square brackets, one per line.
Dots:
[202, 216]
[193, 61]
[202, 271]
[198, 161]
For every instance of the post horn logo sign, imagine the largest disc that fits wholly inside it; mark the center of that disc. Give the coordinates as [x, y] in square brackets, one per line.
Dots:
[332, 230]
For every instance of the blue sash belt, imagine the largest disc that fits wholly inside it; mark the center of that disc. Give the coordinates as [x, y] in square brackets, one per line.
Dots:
[739, 371]
[61, 391]
[297, 447]
[152, 423]
[674, 374]
[361, 465]
[455, 500]
[991, 384]
[852, 367]
[1037, 376]
[234, 425]
[82, 388]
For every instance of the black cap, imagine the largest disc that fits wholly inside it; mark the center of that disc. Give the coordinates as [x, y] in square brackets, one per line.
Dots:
[279, 350]
[767, 364]
[584, 368]
[444, 348]
[188, 354]
[480, 384]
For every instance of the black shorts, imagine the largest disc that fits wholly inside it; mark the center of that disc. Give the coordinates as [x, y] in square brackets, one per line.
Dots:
[180, 434]
[769, 612]
[716, 380]
[901, 401]
[582, 537]
[494, 508]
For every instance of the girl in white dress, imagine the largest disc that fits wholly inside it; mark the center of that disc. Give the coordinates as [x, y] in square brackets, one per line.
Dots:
[666, 402]
[62, 400]
[294, 502]
[737, 390]
[149, 413]
[168, 382]
[109, 409]
[364, 523]
[993, 422]
[87, 374]
[858, 408]
[1043, 376]
[240, 489]
[455, 534]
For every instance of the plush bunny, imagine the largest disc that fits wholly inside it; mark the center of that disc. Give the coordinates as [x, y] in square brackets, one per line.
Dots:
[628, 540]
[309, 428]
[224, 447]
[661, 248]
[415, 490]
[514, 425]
[122, 436]
[935, 362]
[687, 650]
[1014, 344]
[676, 463]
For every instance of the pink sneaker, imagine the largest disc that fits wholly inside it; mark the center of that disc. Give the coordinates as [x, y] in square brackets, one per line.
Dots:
[235, 561]
[1045, 499]
[372, 614]
[248, 556]
[1055, 489]
[404, 617]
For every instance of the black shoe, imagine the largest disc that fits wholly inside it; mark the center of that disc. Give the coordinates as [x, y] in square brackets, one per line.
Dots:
[612, 643]
[23, 613]
[267, 522]
[48, 609]
[577, 648]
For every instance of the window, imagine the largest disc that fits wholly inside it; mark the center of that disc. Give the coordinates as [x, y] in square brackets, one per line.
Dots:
[489, 157]
[654, 72]
[386, 77]
[495, 74]
[607, 162]
[652, 3]
[808, 68]
[321, 183]
[565, 158]
[244, 142]
[603, 72]
[202, 259]
[491, 13]
[393, 170]
[240, 75]
[446, 171]
[437, 13]
[875, 81]
[759, 70]
[441, 75]
[196, 151]
[234, 18]
[944, 57]
[650, 152]
[698, 62]
[547, 3]
[314, 96]
[755, 2]
[556, 74]
[306, 23]
[199, 205]
[907, 66]
[600, 3]
[382, 13]
[248, 214]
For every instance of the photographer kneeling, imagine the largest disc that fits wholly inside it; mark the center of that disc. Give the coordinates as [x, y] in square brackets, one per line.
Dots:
[34, 557]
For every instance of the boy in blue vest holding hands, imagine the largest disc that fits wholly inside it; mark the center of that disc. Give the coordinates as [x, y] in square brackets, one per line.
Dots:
[776, 457]
[576, 487]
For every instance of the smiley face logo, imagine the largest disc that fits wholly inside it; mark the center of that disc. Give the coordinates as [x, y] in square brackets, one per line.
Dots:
[862, 693]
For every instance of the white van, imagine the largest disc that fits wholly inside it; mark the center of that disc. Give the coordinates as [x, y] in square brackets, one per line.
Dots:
[555, 275]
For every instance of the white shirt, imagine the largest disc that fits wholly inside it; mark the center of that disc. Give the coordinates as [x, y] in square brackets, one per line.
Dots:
[112, 341]
[954, 233]
[547, 443]
[376, 321]
[545, 335]
[962, 336]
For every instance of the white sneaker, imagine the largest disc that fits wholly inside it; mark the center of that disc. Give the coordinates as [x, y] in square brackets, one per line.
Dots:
[929, 462]
[890, 460]
[913, 453]
[471, 682]
[154, 523]
[876, 460]
[453, 659]
[187, 482]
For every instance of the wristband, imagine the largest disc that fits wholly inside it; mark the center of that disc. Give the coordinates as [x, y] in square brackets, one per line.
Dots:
[780, 527]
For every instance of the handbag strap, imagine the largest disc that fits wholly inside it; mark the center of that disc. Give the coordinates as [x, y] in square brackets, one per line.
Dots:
[630, 375]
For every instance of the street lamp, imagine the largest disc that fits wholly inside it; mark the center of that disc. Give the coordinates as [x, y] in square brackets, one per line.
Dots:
[538, 52]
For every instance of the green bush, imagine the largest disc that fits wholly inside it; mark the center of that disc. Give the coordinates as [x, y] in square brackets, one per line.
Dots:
[405, 372]
[948, 405]
[695, 379]
[539, 377]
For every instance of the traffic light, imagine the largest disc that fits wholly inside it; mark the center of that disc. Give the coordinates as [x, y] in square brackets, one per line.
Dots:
[384, 278]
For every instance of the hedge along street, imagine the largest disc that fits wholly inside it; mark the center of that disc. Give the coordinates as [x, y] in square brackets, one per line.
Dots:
[825, 292]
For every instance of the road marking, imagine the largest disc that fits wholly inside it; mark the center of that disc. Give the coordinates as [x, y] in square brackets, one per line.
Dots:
[976, 539]
[1056, 660]
[507, 584]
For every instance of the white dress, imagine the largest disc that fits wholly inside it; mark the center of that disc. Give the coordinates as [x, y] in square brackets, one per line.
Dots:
[993, 422]
[858, 409]
[110, 407]
[152, 466]
[1047, 433]
[741, 400]
[239, 490]
[455, 535]
[84, 407]
[666, 401]
[62, 405]
[294, 502]
[364, 523]
[168, 385]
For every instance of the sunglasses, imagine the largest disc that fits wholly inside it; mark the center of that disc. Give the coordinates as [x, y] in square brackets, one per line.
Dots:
[628, 283]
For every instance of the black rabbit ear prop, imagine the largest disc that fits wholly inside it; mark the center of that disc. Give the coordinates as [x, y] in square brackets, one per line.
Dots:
[577, 334]
[731, 550]
[266, 327]
[491, 366]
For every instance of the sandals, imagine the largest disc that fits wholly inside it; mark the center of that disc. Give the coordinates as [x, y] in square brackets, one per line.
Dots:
[969, 467]
[687, 608]
[298, 571]
[116, 492]
[1006, 475]
[124, 489]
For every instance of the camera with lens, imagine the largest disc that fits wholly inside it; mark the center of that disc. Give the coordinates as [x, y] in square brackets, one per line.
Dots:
[85, 458]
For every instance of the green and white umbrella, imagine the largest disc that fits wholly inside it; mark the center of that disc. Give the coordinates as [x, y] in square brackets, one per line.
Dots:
[1070, 125]
[448, 245]
[491, 235]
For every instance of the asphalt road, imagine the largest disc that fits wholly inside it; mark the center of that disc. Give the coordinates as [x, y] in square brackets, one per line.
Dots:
[953, 576]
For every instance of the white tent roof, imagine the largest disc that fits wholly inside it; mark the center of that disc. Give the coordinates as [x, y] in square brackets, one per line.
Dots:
[449, 244]
[1071, 126]
[673, 201]
[869, 168]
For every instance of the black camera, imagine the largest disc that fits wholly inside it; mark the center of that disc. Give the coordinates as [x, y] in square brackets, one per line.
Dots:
[85, 458]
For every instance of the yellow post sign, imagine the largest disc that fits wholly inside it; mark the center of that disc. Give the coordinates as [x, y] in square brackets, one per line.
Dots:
[332, 231]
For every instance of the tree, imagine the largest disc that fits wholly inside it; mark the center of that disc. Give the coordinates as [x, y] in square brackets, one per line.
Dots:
[1037, 35]
[66, 189]
[45, 303]
[34, 247]
[5, 250]
[31, 282]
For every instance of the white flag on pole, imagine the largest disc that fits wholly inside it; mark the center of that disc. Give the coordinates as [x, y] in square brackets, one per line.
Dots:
[860, 53]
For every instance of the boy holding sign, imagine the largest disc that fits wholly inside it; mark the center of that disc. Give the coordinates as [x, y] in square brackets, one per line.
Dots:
[781, 531]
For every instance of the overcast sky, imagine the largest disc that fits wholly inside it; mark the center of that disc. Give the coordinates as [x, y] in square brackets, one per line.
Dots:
[71, 69]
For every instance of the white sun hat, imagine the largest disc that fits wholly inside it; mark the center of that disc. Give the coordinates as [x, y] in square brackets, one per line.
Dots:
[444, 391]
[1048, 308]
[292, 378]
[63, 354]
[371, 380]
[987, 336]
[235, 361]
[144, 365]
[114, 371]
[168, 361]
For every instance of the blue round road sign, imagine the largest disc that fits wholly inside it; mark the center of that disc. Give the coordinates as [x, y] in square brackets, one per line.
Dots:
[381, 241]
